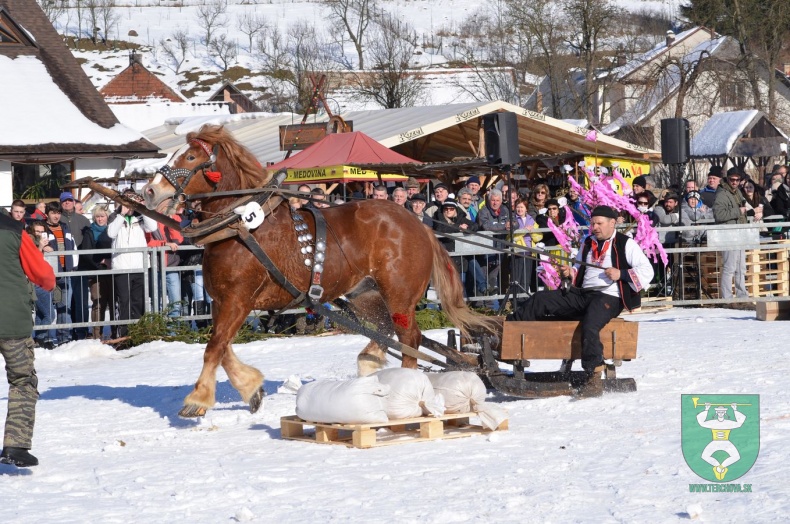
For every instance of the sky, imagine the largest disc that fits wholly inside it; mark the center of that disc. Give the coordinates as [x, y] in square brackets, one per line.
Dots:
[113, 449]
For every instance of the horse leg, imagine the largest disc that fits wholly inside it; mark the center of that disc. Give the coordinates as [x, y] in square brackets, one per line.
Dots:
[409, 333]
[227, 321]
[367, 304]
[246, 379]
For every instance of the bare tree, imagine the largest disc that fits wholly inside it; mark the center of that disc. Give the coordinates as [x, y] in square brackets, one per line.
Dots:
[79, 7]
[223, 49]
[543, 21]
[389, 82]
[108, 17]
[53, 9]
[588, 22]
[251, 24]
[353, 18]
[91, 17]
[211, 17]
[290, 60]
[175, 49]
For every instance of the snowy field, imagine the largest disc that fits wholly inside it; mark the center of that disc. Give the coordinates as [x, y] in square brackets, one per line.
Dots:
[113, 450]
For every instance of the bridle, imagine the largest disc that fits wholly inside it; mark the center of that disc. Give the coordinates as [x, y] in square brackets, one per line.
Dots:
[172, 175]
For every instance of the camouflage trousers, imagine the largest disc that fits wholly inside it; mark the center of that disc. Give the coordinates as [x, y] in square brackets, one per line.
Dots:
[22, 391]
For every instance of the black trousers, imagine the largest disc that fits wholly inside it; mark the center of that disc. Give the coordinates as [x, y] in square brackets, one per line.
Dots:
[594, 308]
[130, 293]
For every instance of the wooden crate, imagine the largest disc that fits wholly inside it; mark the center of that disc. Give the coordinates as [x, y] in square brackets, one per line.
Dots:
[773, 311]
[402, 431]
[709, 266]
[562, 339]
[767, 272]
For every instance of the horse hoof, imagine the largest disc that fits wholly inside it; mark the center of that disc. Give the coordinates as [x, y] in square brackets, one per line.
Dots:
[256, 400]
[192, 411]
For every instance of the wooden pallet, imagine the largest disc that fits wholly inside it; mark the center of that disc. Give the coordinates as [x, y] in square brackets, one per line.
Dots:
[402, 431]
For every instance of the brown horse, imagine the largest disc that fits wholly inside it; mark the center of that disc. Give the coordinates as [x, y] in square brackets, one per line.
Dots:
[378, 256]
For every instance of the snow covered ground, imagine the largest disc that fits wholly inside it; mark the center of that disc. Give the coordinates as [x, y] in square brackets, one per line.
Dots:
[113, 450]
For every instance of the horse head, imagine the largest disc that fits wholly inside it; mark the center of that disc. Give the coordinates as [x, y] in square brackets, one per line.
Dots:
[211, 161]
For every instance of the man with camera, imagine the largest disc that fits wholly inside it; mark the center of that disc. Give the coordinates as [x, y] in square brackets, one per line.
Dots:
[127, 230]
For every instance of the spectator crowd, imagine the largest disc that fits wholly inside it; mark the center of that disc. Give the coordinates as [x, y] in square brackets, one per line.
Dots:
[523, 215]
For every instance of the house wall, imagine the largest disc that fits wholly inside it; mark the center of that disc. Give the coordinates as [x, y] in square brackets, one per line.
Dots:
[6, 194]
[84, 167]
[97, 167]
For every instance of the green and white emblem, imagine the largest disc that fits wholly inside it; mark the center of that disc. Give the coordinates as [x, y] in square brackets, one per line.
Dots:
[720, 434]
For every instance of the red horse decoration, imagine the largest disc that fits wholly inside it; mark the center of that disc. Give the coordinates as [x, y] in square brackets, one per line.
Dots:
[378, 256]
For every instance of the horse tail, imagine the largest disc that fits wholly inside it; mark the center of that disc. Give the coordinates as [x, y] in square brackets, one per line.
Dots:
[447, 283]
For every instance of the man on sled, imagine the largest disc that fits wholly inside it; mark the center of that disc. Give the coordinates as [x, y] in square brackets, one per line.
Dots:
[610, 272]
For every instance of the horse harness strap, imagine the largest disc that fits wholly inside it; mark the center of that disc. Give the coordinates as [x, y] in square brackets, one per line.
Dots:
[306, 299]
[317, 262]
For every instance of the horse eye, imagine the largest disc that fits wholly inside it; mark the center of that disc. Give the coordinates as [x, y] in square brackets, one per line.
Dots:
[191, 157]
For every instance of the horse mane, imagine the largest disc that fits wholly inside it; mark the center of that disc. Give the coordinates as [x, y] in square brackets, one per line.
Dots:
[239, 167]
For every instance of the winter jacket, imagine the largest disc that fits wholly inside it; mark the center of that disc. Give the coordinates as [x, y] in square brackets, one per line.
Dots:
[692, 217]
[490, 220]
[20, 260]
[667, 220]
[95, 238]
[726, 208]
[128, 232]
[78, 224]
[164, 235]
[780, 200]
[70, 261]
[708, 195]
[441, 225]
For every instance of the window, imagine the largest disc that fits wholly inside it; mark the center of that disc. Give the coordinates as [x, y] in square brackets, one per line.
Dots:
[733, 94]
[10, 32]
[40, 181]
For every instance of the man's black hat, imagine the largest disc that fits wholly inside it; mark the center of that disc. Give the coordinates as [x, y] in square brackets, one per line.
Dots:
[604, 211]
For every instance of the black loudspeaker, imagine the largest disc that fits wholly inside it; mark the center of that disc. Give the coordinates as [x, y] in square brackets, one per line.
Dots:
[675, 141]
[501, 139]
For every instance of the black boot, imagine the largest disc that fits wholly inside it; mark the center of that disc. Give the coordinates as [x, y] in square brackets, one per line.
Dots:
[19, 457]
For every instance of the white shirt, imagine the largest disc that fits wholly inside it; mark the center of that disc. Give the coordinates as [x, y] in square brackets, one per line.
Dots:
[641, 271]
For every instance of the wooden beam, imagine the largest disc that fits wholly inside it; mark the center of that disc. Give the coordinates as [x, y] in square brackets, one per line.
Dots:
[468, 140]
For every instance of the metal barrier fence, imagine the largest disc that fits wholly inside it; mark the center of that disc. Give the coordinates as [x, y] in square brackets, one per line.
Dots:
[691, 279]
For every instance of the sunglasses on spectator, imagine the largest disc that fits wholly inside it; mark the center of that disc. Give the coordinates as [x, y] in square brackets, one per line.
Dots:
[552, 208]
[541, 192]
[643, 202]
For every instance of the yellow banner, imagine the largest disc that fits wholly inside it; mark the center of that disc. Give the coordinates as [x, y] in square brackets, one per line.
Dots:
[628, 169]
[337, 173]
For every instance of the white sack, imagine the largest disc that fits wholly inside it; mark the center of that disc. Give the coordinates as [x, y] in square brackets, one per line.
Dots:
[411, 394]
[464, 392]
[355, 401]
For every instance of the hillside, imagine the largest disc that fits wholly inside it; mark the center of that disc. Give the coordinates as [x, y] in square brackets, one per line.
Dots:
[440, 26]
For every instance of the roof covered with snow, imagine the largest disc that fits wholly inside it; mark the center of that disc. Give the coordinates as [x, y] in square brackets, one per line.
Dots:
[50, 108]
[428, 134]
[721, 133]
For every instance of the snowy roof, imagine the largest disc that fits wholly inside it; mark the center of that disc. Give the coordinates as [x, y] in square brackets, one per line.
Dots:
[36, 99]
[51, 108]
[665, 85]
[452, 128]
[719, 135]
[155, 113]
